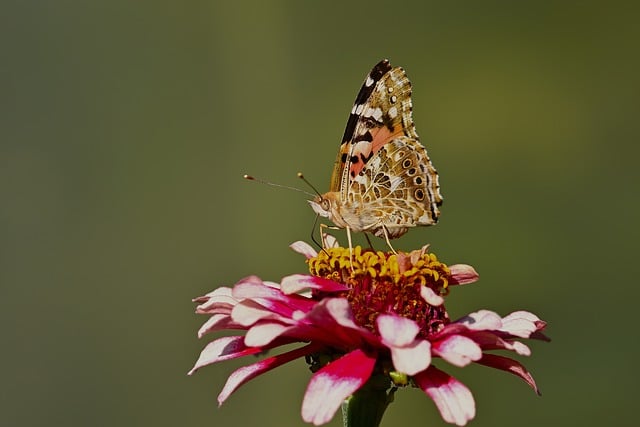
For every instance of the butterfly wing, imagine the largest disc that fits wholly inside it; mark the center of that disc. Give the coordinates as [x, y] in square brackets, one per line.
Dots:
[381, 158]
[364, 121]
[398, 188]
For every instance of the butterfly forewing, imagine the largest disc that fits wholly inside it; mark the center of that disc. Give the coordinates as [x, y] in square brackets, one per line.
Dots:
[383, 176]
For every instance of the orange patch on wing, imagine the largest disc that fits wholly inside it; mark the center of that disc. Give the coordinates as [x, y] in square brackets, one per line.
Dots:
[381, 135]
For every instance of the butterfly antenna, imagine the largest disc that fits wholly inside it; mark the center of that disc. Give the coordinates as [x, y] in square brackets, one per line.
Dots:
[309, 184]
[252, 178]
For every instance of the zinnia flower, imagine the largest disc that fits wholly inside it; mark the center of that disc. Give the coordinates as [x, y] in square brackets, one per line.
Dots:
[364, 319]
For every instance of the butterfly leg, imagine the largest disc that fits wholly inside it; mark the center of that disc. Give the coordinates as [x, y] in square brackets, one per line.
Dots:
[386, 237]
[369, 241]
[350, 248]
[328, 241]
[325, 244]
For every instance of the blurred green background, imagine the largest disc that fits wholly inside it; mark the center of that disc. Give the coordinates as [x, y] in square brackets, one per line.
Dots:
[126, 128]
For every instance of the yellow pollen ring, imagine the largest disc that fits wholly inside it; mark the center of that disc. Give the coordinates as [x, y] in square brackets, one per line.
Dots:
[337, 262]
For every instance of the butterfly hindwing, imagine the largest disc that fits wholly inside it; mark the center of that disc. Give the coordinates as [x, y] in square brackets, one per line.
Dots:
[400, 184]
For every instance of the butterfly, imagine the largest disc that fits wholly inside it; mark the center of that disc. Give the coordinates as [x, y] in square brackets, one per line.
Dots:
[383, 181]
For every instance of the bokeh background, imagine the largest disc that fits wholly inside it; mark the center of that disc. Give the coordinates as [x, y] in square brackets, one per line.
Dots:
[126, 128]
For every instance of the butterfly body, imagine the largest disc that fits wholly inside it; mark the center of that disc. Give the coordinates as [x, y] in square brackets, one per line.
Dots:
[383, 181]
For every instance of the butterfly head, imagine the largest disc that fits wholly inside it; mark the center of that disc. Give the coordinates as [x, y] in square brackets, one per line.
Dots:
[321, 206]
[325, 205]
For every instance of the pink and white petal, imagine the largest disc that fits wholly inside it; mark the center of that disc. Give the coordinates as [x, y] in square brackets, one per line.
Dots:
[417, 254]
[248, 312]
[246, 373]
[272, 298]
[520, 324]
[220, 291]
[215, 307]
[430, 296]
[298, 315]
[462, 274]
[339, 311]
[397, 331]
[521, 314]
[304, 248]
[299, 282]
[457, 350]
[453, 328]
[218, 301]
[452, 398]
[217, 322]
[330, 241]
[490, 340]
[264, 333]
[332, 384]
[413, 358]
[329, 333]
[509, 365]
[482, 320]
[520, 348]
[271, 284]
[224, 348]
[252, 287]
[405, 261]
[334, 325]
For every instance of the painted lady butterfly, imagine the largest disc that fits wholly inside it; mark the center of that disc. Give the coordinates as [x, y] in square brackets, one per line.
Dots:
[383, 181]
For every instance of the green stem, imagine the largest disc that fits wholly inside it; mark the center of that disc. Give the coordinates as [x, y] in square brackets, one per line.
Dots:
[366, 406]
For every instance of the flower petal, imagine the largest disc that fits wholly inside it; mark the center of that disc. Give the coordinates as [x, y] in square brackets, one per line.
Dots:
[520, 348]
[339, 310]
[334, 383]
[419, 253]
[217, 292]
[304, 248]
[409, 355]
[509, 365]
[333, 320]
[482, 320]
[430, 296]
[462, 274]
[246, 373]
[397, 331]
[217, 322]
[247, 313]
[491, 340]
[457, 350]
[224, 348]
[413, 358]
[298, 282]
[271, 298]
[521, 324]
[264, 333]
[218, 301]
[253, 287]
[330, 241]
[452, 398]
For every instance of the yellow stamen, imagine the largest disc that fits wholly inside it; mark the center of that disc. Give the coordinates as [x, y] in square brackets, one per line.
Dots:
[386, 283]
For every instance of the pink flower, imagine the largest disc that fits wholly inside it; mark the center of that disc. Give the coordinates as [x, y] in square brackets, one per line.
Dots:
[362, 314]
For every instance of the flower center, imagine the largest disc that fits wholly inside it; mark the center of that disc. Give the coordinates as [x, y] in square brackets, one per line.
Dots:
[383, 282]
